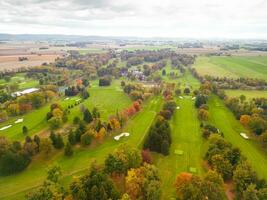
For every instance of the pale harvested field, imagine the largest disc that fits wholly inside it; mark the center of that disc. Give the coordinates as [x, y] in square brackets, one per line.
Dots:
[8, 63]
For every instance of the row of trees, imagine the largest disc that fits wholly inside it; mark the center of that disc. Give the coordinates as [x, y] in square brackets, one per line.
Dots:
[159, 135]
[141, 180]
[230, 83]
[231, 165]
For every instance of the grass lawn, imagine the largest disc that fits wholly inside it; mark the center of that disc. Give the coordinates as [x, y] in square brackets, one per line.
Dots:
[232, 67]
[186, 149]
[108, 100]
[223, 119]
[15, 187]
[250, 94]
[168, 70]
[22, 81]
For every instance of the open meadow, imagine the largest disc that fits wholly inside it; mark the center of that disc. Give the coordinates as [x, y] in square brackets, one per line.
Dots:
[249, 94]
[232, 67]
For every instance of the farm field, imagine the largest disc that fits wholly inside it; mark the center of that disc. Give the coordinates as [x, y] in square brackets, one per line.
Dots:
[79, 163]
[224, 120]
[250, 94]
[232, 67]
[8, 63]
[186, 137]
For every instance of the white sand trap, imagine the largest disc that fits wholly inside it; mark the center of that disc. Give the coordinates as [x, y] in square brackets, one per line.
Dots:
[5, 127]
[193, 98]
[178, 107]
[121, 135]
[66, 98]
[181, 97]
[244, 135]
[78, 100]
[19, 121]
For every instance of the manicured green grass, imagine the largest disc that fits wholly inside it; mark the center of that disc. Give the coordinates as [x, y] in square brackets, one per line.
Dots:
[108, 100]
[16, 186]
[232, 67]
[188, 80]
[223, 119]
[169, 69]
[186, 138]
[250, 94]
[22, 81]
[34, 121]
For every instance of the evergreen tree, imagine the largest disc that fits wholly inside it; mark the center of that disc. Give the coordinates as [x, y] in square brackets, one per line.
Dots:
[87, 116]
[24, 130]
[68, 150]
[59, 142]
[165, 147]
[72, 138]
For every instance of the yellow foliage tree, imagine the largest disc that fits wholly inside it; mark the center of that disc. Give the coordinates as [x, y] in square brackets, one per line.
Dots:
[245, 119]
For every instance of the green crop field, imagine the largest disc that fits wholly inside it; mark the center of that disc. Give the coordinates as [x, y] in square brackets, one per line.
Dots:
[224, 120]
[250, 94]
[80, 161]
[232, 67]
[187, 146]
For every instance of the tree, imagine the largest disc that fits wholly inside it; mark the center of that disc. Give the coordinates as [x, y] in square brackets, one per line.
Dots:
[243, 177]
[242, 98]
[87, 116]
[263, 139]
[115, 124]
[165, 147]
[76, 120]
[245, 119]
[86, 139]
[54, 173]
[55, 123]
[24, 130]
[181, 180]
[200, 100]
[158, 136]
[186, 91]
[163, 72]
[71, 138]
[68, 151]
[203, 114]
[178, 92]
[222, 166]
[85, 94]
[46, 146]
[95, 113]
[251, 193]
[146, 156]
[59, 144]
[13, 162]
[94, 185]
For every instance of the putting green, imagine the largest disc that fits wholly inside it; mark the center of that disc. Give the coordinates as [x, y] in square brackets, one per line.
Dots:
[178, 152]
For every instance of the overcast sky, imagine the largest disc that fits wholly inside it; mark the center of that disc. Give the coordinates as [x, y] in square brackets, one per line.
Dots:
[145, 18]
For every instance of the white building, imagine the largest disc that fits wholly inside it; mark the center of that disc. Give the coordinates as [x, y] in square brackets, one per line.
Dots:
[27, 91]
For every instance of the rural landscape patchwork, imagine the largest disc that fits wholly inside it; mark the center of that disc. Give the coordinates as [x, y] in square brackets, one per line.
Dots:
[105, 116]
